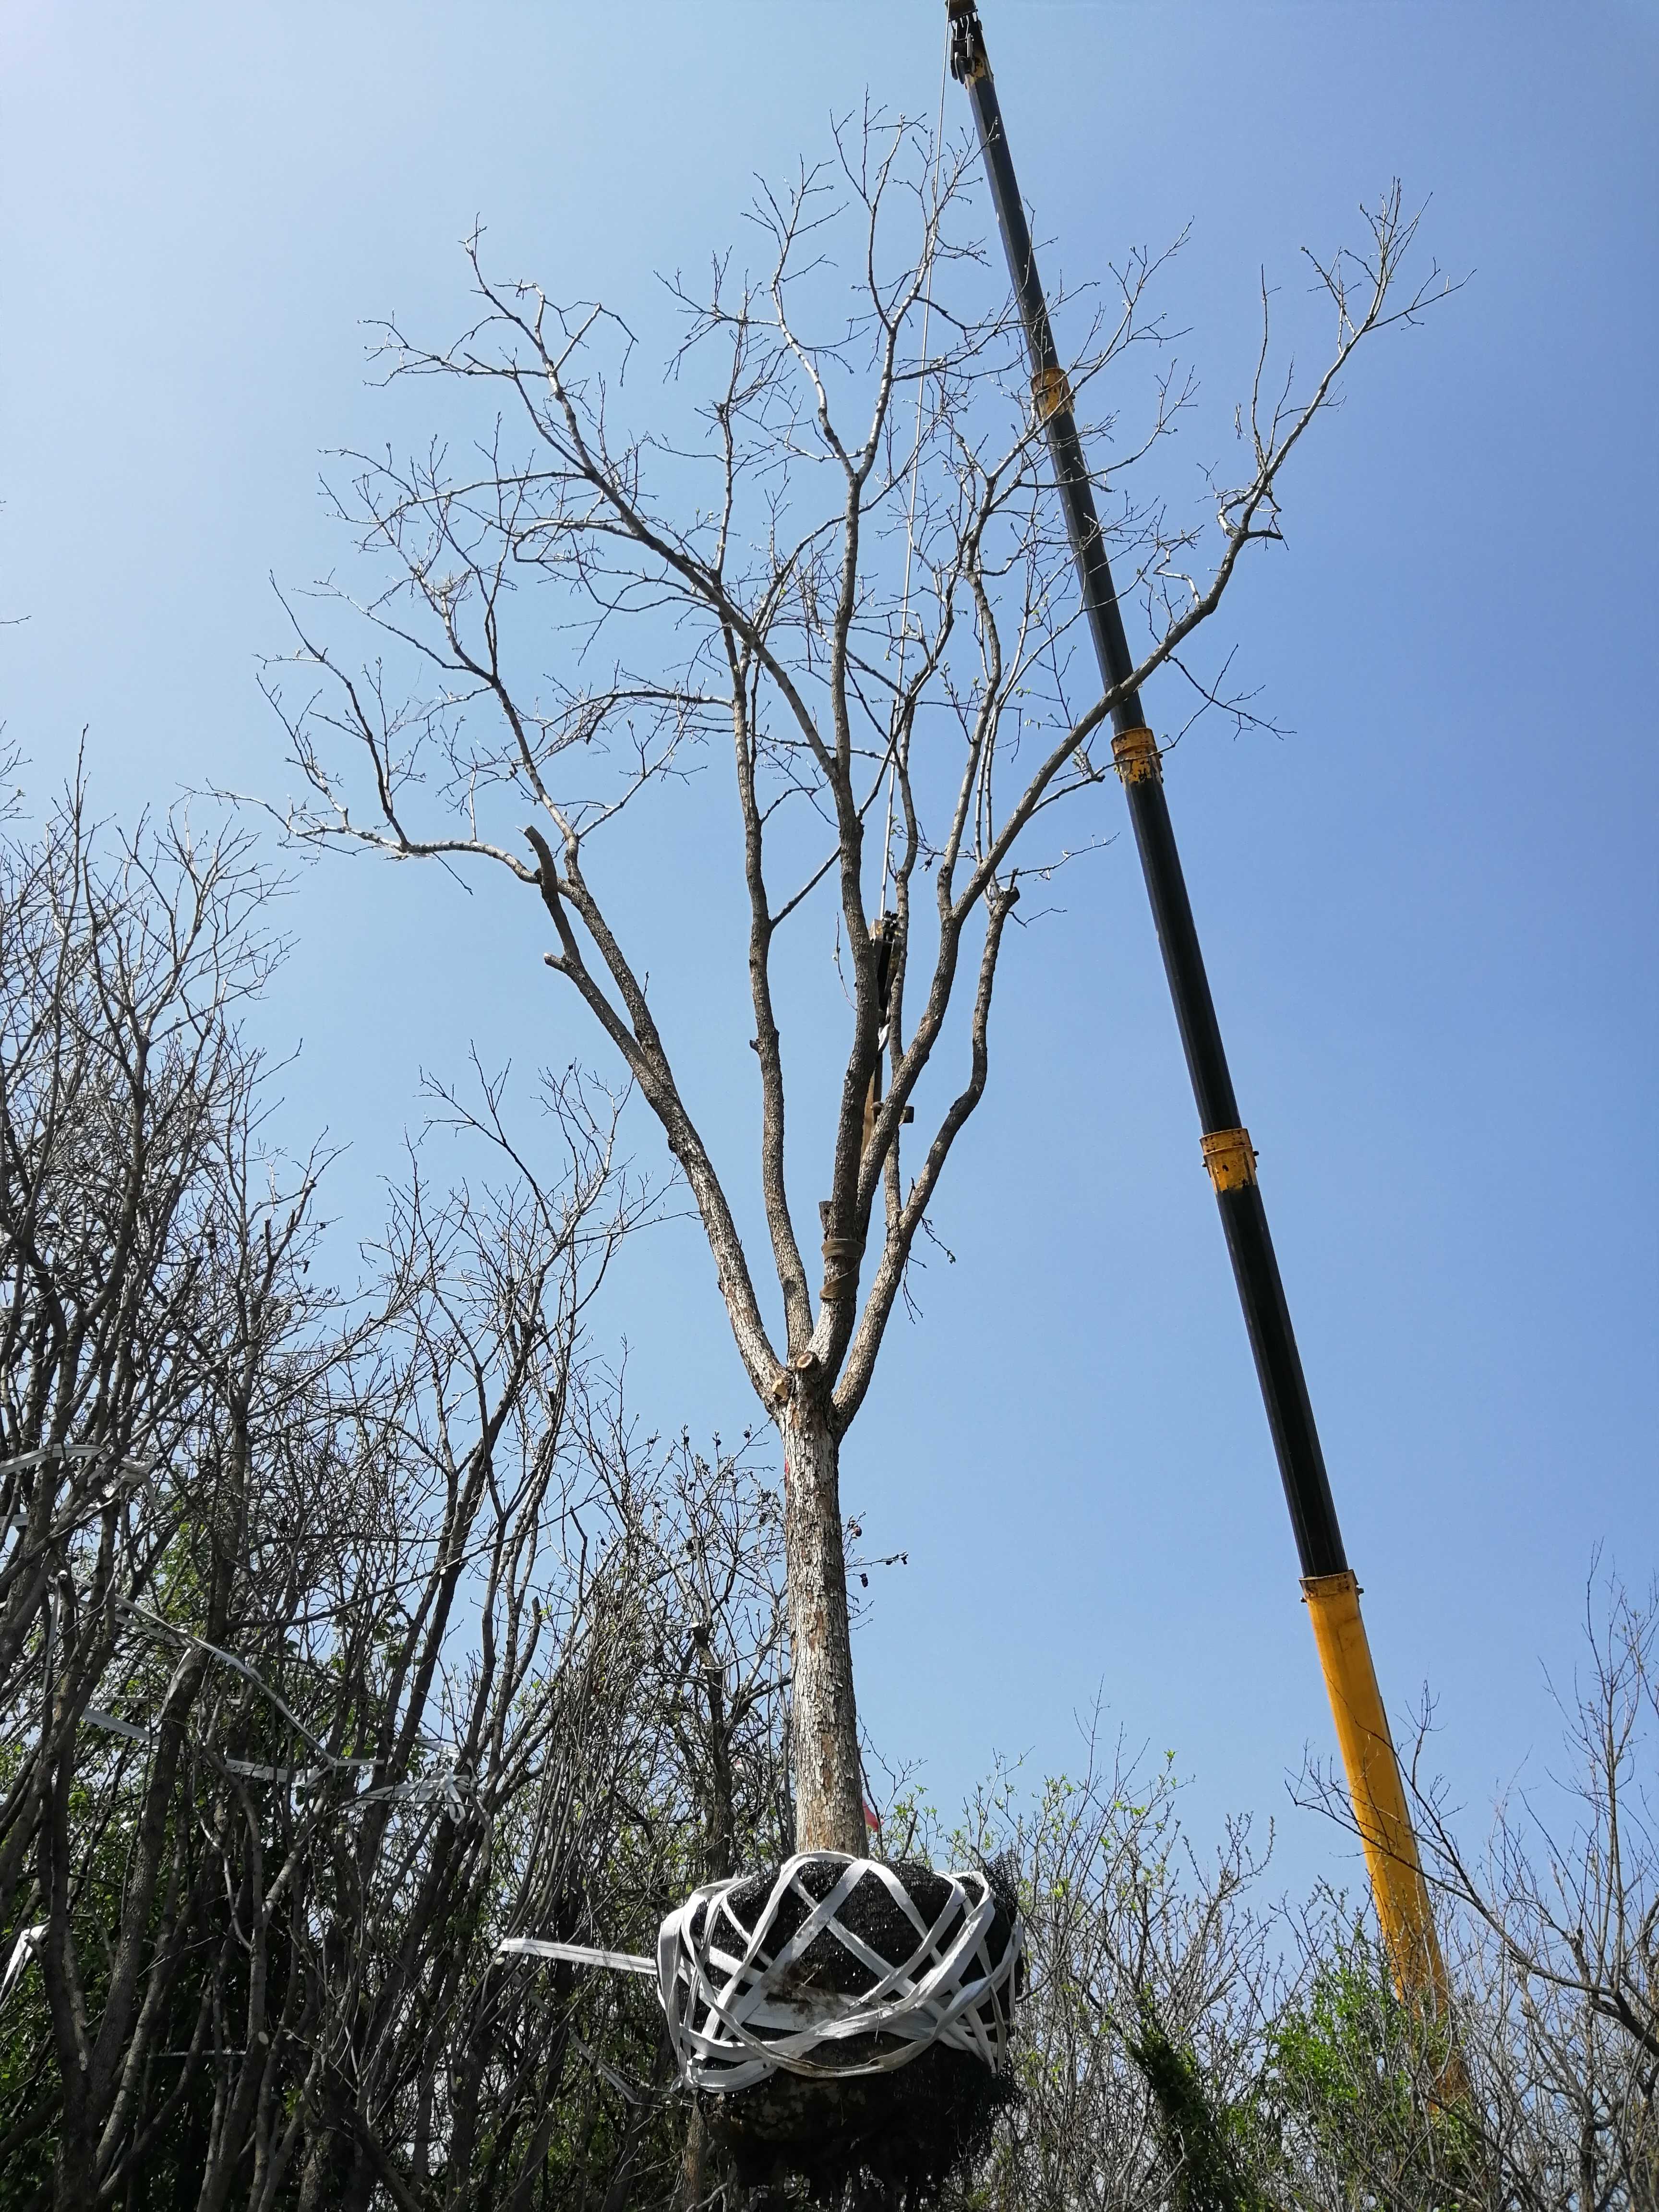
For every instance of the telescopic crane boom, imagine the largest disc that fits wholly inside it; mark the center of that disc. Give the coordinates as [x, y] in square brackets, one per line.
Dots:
[1375, 1785]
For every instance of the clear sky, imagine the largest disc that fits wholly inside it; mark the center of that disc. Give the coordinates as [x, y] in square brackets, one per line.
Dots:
[1429, 910]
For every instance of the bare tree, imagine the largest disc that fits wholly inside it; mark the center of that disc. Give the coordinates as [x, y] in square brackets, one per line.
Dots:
[1553, 1929]
[1133, 1936]
[311, 1687]
[147, 1281]
[1562, 1915]
[706, 1531]
[847, 569]
[1192, 2044]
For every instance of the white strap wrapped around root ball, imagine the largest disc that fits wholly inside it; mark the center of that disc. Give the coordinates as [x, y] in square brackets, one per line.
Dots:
[744, 2000]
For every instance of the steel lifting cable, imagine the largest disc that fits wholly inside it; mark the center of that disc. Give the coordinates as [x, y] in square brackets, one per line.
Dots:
[915, 470]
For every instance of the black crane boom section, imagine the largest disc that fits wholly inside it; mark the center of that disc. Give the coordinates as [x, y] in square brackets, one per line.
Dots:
[1227, 1150]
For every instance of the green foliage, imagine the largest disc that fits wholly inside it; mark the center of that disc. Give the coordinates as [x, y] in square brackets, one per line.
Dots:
[1364, 2084]
[1204, 2140]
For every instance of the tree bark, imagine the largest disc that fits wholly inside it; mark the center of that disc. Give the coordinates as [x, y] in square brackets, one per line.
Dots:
[828, 1771]
[693, 2162]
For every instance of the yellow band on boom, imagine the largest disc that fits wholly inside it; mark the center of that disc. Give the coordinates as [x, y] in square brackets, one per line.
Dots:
[1050, 392]
[1231, 1159]
[1135, 753]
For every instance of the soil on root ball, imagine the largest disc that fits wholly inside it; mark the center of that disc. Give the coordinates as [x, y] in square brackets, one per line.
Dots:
[889, 2140]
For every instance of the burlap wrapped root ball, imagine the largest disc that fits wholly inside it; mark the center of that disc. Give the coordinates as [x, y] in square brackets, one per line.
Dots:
[845, 2022]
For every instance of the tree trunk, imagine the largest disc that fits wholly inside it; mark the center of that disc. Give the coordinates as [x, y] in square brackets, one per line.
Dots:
[74, 2177]
[828, 1773]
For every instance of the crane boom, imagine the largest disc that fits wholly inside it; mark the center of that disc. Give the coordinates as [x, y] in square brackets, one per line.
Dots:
[1376, 1787]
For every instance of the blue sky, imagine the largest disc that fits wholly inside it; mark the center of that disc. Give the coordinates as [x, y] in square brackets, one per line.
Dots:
[1428, 909]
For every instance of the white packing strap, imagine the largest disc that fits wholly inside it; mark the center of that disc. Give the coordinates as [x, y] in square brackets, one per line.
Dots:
[575, 1955]
[449, 1783]
[111, 1726]
[619, 2082]
[329, 1762]
[733, 2017]
[155, 1622]
[136, 1469]
[21, 1951]
[254, 1770]
[131, 1470]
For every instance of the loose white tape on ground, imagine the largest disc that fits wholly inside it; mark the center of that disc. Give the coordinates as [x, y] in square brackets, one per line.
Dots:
[740, 2005]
